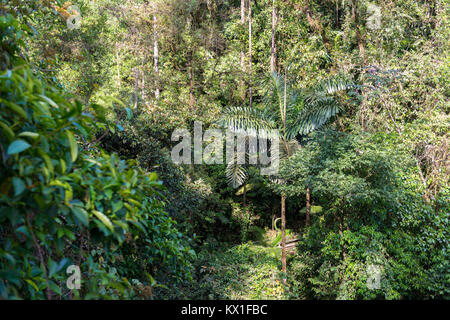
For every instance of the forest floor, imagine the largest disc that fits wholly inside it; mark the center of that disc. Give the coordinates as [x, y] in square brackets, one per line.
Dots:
[247, 271]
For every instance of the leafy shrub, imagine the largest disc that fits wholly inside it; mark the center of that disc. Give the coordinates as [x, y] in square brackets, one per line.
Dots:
[61, 204]
[373, 215]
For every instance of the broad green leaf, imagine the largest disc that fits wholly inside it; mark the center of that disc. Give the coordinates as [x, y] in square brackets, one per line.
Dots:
[7, 130]
[135, 202]
[69, 234]
[81, 215]
[28, 134]
[52, 267]
[108, 193]
[116, 206]
[153, 176]
[66, 186]
[17, 146]
[49, 101]
[103, 219]
[47, 160]
[121, 224]
[31, 283]
[62, 165]
[73, 145]
[54, 287]
[19, 186]
[16, 108]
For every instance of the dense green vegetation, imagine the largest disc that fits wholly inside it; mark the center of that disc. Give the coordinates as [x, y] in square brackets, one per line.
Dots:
[357, 89]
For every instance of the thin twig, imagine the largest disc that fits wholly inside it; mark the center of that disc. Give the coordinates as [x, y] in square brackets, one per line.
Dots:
[41, 257]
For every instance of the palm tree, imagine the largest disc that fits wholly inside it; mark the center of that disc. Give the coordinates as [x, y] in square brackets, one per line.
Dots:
[293, 113]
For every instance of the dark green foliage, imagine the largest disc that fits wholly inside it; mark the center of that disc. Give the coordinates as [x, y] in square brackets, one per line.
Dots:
[190, 199]
[64, 203]
[371, 216]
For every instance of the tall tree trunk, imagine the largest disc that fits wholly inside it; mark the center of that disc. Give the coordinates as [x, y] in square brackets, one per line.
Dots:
[274, 217]
[242, 51]
[156, 57]
[144, 98]
[191, 81]
[359, 38]
[119, 82]
[245, 196]
[272, 56]
[136, 86]
[284, 110]
[308, 206]
[190, 68]
[250, 52]
[283, 236]
[337, 13]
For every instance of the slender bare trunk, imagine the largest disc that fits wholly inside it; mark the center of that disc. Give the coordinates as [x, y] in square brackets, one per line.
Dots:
[242, 51]
[283, 116]
[283, 237]
[190, 68]
[425, 196]
[156, 57]
[285, 104]
[250, 90]
[363, 110]
[40, 255]
[308, 206]
[136, 86]
[337, 13]
[245, 196]
[272, 56]
[274, 217]
[144, 98]
[191, 81]
[119, 82]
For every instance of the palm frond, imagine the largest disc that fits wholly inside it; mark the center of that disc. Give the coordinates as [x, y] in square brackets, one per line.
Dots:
[273, 87]
[245, 118]
[273, 95]
[328, 87]
[236, 174]
[320, 105]
[313, 118]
